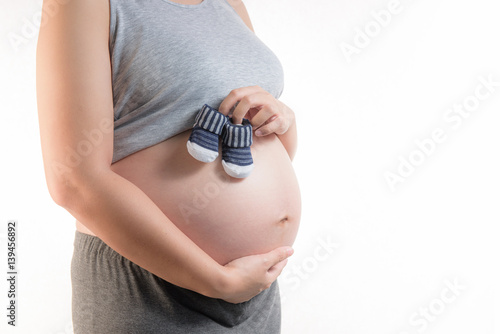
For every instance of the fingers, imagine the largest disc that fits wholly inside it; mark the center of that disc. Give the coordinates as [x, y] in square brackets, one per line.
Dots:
[275, 270]
[249, 275]
[250, 101]
[235, 96]
[274, 125]
[277, 255]
[281, 119]
[264, 116]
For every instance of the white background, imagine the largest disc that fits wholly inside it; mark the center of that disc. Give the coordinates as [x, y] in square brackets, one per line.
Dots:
[368, 259]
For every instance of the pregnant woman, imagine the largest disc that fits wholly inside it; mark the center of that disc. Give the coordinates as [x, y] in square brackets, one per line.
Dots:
[165, 243]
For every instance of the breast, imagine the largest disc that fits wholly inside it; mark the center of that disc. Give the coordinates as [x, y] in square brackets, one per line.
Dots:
[166, 64]
[228, 218]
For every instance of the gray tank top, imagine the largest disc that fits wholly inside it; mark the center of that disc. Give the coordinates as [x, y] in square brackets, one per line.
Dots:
[169, 59]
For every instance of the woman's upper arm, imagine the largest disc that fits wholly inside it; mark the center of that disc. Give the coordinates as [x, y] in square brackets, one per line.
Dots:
[240, 8]
[74, 92]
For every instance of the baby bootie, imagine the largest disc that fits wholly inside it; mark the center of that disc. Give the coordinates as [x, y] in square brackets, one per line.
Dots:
[236, 155]
[203, 143]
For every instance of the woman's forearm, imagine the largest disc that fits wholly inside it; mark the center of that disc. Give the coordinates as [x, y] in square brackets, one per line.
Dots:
[126, 219]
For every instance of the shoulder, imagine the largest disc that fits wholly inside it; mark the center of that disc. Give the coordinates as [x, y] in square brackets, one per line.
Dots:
[240, 8]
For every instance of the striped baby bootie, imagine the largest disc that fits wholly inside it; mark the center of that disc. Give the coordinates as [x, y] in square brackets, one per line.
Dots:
[236, 154]
[203, 143]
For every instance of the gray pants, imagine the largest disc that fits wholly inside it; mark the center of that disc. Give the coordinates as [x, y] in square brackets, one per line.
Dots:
[112, 295]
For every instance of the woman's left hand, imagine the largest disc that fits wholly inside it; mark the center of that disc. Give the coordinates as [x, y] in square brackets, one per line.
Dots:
[266, 114]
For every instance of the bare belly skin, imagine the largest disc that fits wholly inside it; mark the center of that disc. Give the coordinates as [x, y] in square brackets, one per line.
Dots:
[226, 217]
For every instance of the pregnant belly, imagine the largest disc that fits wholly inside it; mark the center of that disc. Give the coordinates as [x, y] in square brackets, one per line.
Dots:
[226, 217]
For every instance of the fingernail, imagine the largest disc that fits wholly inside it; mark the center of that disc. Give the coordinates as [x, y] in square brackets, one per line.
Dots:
[289, 251]
[258, 132]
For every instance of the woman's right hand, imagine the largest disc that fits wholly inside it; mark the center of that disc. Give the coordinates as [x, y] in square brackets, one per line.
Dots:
[247, 276]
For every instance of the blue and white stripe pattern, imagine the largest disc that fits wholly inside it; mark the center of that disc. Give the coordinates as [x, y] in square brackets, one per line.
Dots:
[236, 154]
[203, 143]
[238, 135]
[210, 119]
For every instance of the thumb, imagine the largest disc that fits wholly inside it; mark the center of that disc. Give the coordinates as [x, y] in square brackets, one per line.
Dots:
[276, 270]
[277, 256]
